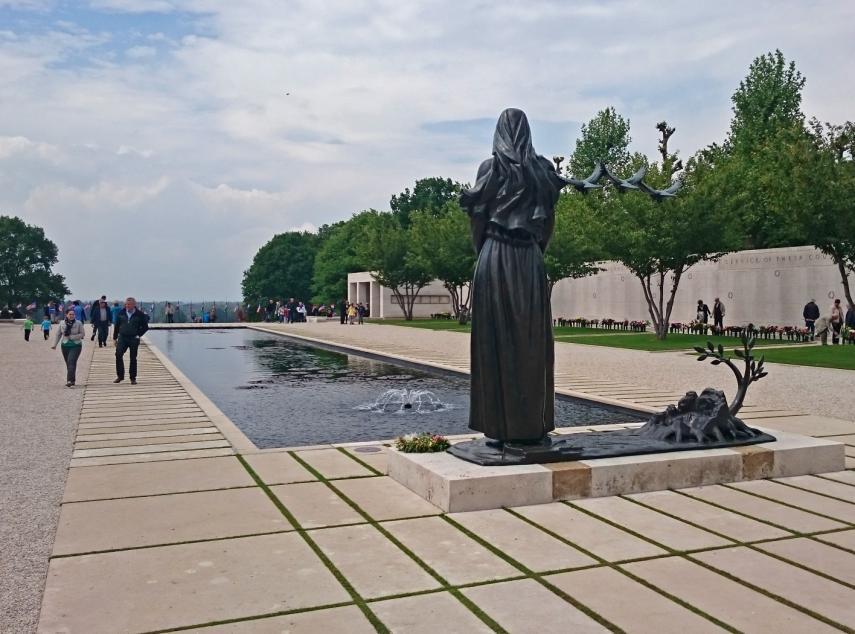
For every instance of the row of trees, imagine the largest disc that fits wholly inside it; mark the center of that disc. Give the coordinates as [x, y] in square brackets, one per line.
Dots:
[777, 179]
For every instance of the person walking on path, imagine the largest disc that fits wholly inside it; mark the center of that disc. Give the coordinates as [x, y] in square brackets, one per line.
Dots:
[703, 314]
[360, 314]
[28, 327]
[342, 311]
[131, 324]
[94, 308]
[46, 327]
[102, 317]
[836, 320]
[170, 313]
[850, 316]
[70, 335]
[811, 314]
[718, 312]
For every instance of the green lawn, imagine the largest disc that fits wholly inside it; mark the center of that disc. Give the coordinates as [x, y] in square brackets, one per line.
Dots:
[841, 357]
[452, 325]
[647, 341]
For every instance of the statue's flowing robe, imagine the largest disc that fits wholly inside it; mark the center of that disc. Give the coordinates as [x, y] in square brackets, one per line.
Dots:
[511, 208]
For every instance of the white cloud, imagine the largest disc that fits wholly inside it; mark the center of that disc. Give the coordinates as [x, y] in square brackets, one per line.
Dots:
[141, 52]
[128, 149]
[11, 146]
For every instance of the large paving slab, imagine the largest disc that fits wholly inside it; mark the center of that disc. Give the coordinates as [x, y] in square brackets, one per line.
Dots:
[842, 539]
[147, 442]
[655, 526]
[150, 448]
[823, 486]
[83, 432]
[732, 525]
[803, 588]
[533, 548]
[142, 434]
[778, 514]
[384, 499]
[593, 535]
[332, 463]
[428, 614]
[187, 584]
[178, 476]
[165, 519]
[812, 554]
[455, 556]
[278, 468]
[527, 606]
[372, 563]
[348, 619]
[729, 601]
[159, 456]
[843, 511]
[628, 604]
[315, 505]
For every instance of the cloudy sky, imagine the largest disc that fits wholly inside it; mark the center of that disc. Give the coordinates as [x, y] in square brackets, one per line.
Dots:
[161, 142]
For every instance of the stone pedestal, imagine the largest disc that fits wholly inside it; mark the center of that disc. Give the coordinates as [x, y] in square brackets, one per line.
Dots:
[456, 485]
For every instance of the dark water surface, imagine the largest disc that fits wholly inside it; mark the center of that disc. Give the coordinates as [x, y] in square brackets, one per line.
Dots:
[281, 393]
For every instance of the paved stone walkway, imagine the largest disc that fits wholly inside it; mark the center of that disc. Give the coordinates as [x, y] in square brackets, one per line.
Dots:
[161, 530]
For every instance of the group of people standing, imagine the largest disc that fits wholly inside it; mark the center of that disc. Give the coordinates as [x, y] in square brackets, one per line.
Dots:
[718, 311]
[352, 312]
[290, 312]
[817, 324]
[821, 325]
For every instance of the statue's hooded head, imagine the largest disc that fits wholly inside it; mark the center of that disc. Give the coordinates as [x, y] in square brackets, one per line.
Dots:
[517, 175]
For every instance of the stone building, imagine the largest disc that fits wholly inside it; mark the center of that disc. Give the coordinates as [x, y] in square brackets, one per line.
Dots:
[361, 287]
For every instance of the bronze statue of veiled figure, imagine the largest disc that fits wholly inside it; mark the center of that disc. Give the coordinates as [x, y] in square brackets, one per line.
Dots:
[511, 208]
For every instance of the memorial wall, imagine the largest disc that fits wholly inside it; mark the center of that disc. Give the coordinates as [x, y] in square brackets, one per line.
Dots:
[767, 286]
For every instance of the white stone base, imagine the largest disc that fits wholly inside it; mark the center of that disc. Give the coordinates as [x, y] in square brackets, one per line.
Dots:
[455, 485]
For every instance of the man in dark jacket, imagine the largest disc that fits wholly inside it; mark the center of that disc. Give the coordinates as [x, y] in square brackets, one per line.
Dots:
[102, 317]
[131, 324]
[811, 314]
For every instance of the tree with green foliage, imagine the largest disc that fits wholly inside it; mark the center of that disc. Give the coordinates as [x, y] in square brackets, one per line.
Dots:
[386, 247]
[821, 180]
[750, 175]
[282, 268]
[337, 255]
[429, 195]
[659, 241]
[577, 241]
[604, 138]
[441, 245]
[768, 100]
[26, 259]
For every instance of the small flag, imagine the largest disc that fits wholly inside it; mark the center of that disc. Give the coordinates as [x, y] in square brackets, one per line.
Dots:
[31, 306]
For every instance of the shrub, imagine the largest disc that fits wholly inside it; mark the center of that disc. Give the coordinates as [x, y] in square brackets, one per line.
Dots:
[421, 443]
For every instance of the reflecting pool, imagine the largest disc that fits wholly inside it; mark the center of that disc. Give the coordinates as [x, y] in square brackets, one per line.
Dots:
[281, 393]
